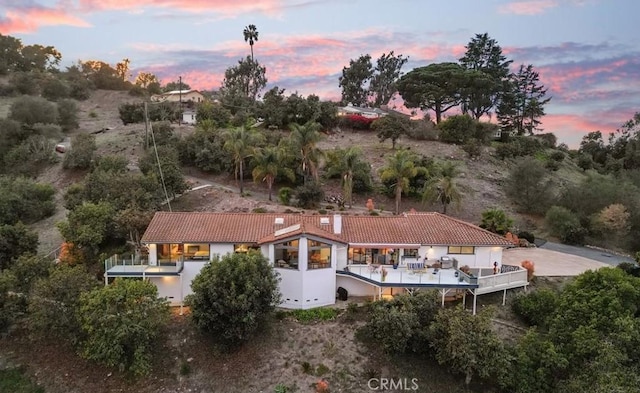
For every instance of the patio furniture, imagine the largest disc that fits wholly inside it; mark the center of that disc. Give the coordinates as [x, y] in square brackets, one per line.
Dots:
[415, 265]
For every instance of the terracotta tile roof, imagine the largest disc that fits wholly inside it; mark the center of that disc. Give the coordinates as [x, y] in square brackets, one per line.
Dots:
[415, 228]
[302, 228]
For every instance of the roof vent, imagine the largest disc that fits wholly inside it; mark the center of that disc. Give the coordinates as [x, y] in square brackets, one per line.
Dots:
[279, 221]
[324, 220]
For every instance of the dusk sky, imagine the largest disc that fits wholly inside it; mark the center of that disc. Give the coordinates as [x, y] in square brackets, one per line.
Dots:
[586, 51]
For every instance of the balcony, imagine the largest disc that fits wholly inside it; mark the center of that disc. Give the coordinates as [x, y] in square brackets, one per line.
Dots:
[410, 278]
[130, 266]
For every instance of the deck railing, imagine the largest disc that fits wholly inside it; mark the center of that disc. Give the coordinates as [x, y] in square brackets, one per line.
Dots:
[402, 275]
[132, 264]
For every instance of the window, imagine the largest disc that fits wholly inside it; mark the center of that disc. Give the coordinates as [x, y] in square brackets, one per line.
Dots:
[197, 252]
[286, 254]
[411, 252]
[461, 250]
[319, 255]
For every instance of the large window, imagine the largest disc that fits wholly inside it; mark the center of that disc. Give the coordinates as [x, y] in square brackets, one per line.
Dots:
[286, 254]
[319, 254]
[171, 253]
[461, 250]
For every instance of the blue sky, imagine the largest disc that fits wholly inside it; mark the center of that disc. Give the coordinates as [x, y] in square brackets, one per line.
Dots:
[586, 51]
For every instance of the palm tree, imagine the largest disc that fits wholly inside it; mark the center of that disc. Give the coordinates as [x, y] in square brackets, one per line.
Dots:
[303, 140]
[268, 164]
[241, 142]
[443, 187]
[251, 34]
[401, 167]
[346, 163]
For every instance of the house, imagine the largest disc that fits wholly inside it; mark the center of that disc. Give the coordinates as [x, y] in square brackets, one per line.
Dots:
[315, 255]
[369, 113]
[184, 96]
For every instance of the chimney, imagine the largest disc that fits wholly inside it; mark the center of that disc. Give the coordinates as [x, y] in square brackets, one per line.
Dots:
[337, 224]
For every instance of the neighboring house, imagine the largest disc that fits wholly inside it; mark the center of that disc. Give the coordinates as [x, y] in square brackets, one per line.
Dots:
[369, 113]
[189, 117]
[185, 96]
[315, 255]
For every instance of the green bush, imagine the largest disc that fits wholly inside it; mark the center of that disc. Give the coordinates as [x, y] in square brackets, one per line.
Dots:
[309, 195]
[535, 308]
[315, 314]
[54, 89]
[424, 130]
[473, 148]
[23, 199]
[55, 301]
[68, 114]
[32, 110]
[122, 323]
[557, 155]
[399, 325]
[496, 221]
[81, 154]
[564, 224]
[233, 296]
[15, 381]
[16, 240]
[451, 336]
[530, 237]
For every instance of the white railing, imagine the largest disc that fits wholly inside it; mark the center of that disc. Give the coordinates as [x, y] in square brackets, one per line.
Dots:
[401, 275]
[503, 279]
[132, 264]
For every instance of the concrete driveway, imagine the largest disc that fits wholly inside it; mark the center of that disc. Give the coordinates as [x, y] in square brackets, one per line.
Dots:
[551, 263]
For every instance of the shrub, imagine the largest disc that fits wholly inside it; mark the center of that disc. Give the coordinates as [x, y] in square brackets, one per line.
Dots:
[530, 237]
[537, 307]
[530, 266]
[473, 148]
[131, 113]
[16, 240]
[315, 314]
[32, 110]
[25, 200]
[233, 296]
[80, 156]
[68, 114]
[548, 140]
[563, 223]
[451, 336]
[284, 195]
[528, 185]
[496, 221]
[309, 195]
[121, 323]
[54, 89]
[356, 122]
[552, 165]
[55, 300]
[423, 130]
[520, 146]
[557, 155]
[399, 325]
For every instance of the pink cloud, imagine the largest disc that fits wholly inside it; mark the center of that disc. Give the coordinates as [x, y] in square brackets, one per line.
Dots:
[533, 7]
[28, 20]
[225, 7]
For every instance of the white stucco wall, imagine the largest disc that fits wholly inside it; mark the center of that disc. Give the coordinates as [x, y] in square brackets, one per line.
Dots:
[153, 254]
[483, 257]
[220, 249]
[319, 287]
[354, 287]
[189, 272]
[169, 288]
[291, 288]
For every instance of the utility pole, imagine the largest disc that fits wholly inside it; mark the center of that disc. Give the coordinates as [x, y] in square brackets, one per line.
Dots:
[146, 126]
[180, 99]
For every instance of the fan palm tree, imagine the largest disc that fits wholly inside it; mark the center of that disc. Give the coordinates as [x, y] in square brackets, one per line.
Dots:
[251, 35]
[401, 168]
[303, 140]
[346, 163]
[443, 188]
[268, 164]
[241, 142]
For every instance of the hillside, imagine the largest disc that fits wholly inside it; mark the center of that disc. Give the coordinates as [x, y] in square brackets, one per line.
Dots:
[481, 179]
